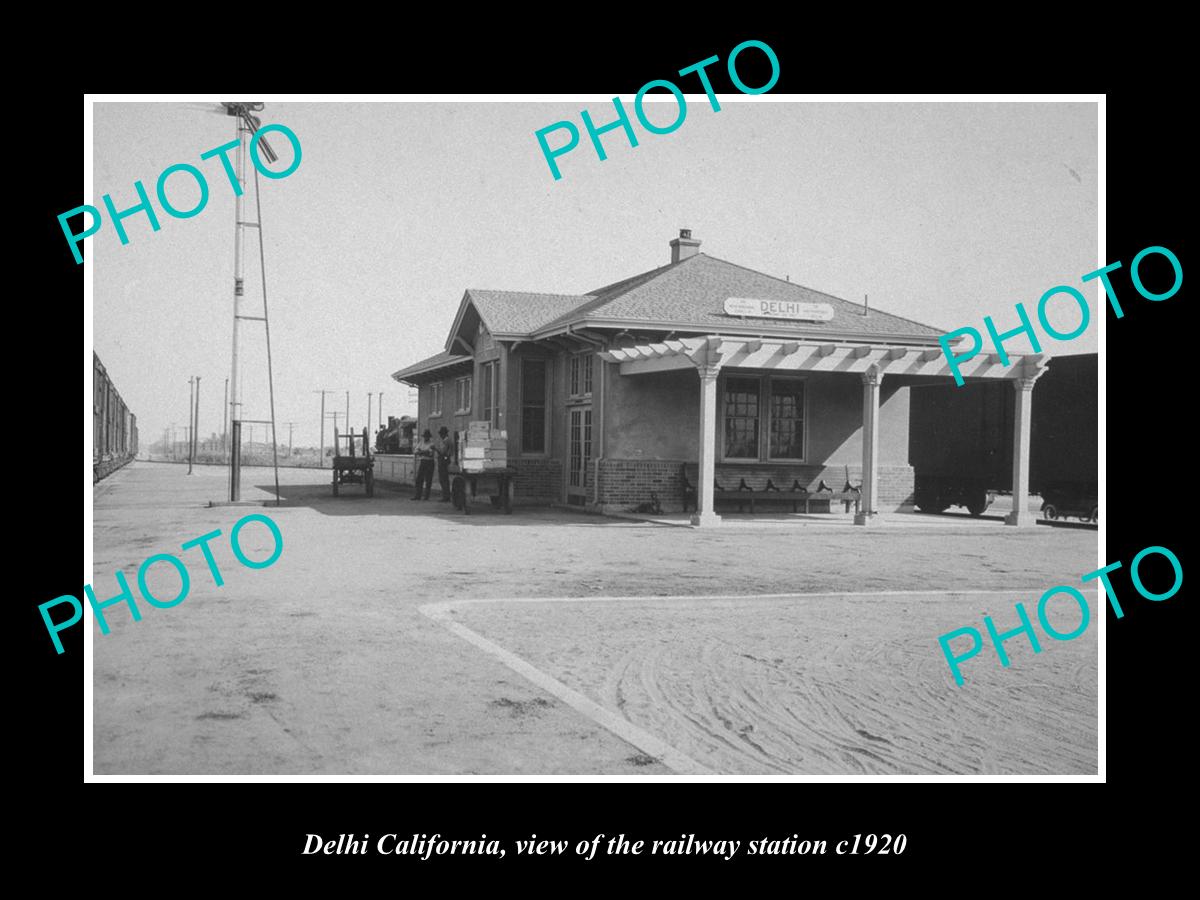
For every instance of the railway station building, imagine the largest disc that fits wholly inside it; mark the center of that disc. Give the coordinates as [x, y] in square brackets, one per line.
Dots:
[699, 372]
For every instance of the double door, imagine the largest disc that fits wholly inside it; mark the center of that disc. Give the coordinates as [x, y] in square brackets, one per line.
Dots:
[579, 454]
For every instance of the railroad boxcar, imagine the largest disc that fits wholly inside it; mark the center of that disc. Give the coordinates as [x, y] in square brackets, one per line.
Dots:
[960, 439]
[114, 427]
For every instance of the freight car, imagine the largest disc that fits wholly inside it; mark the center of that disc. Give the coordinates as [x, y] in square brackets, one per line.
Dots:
[114, 427]
[960, 441]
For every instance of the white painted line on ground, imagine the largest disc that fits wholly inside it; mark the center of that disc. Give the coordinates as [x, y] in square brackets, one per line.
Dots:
[621, 727]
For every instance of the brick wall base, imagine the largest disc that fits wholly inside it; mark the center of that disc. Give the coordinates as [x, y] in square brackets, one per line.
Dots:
[625, 483]
[539, 481]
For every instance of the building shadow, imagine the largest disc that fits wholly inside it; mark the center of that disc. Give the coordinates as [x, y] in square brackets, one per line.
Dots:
[389, 501]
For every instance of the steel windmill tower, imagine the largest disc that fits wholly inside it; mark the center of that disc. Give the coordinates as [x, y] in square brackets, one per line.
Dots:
[247, 125]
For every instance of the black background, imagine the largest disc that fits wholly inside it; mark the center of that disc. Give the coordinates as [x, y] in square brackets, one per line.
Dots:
[959, 835]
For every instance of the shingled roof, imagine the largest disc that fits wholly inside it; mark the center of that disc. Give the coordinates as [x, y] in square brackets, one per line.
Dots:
[684, 296]
[430, 364]
[521, 312]
[691, 295]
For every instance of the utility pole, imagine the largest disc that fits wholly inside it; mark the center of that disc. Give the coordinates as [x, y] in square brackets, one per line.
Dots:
[381, 409]
[321, 459]
[191, 417]
[289, 426]
[334, 415]
[370, 394]
[347, 422]
[195, 425]
[225, 424]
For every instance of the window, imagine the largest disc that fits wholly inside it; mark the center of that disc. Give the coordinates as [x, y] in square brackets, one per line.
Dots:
[787, 419]
[764, 418]
[581, 375]
[741, 418]
[533, 406]
[462, 395]
[490, 376]
[435, 399]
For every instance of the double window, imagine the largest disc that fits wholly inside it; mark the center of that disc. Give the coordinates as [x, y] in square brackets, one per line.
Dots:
[533, 406]
[764, 418]
[489, 374]
[581, 375]
[462, 396]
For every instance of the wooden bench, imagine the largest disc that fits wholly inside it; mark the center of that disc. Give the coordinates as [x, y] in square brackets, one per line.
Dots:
[744, 494]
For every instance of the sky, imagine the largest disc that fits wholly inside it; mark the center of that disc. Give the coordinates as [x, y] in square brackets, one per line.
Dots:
[940, 212]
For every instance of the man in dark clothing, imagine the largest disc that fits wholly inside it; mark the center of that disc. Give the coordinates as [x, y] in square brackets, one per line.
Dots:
[424, 453]
[445, 453]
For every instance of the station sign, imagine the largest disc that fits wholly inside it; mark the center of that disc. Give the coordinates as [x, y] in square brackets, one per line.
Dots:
[779, 309]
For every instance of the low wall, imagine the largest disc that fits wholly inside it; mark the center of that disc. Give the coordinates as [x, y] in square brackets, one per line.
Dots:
[624, 483]
[395, 468]
[538, 482]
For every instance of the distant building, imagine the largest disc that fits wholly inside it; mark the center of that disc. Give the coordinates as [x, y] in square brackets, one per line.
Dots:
[608, 396]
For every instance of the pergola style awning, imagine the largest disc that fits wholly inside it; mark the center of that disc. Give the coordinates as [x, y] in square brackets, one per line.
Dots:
[811, 356]
[709, 354]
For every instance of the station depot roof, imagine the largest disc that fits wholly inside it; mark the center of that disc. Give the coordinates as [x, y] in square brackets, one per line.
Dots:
[687, 297]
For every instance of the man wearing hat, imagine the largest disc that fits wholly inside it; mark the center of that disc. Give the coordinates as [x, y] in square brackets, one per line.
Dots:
[424, 453]
[445, 452]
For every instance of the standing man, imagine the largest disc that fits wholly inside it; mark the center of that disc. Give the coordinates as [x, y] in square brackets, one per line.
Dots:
[445, 452]
[424, 453]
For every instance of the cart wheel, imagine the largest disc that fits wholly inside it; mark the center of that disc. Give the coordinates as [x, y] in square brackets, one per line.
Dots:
[1050, 511]
[1095, 516]
[370, 481]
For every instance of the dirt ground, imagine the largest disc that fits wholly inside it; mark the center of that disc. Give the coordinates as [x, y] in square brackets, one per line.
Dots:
[323, 663]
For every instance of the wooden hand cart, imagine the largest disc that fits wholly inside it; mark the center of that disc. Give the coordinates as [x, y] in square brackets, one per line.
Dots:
[353, 469]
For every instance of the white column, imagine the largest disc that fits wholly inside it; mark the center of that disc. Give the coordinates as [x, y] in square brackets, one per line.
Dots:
[870, 438]
[1023, 408]
[704, 514]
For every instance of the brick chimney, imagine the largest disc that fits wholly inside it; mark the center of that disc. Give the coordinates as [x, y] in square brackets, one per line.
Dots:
[684, 246]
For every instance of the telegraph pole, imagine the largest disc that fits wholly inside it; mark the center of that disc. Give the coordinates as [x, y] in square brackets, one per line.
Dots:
[289, 426]
[334, 415]
[191, 416]
[321, 460]
[370, 394]
[225, 424]
[195, 425]
[347, 422]
[381, 409]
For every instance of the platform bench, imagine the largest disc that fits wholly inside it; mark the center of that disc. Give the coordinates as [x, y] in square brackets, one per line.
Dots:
[747, 494]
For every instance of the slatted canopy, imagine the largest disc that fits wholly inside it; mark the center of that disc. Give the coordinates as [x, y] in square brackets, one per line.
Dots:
[811, 356]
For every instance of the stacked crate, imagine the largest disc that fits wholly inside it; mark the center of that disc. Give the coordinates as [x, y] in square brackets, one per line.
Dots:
[482, 447]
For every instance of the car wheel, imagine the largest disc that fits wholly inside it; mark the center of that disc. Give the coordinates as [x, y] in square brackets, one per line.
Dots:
[1050, 511]
[1095, 516]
